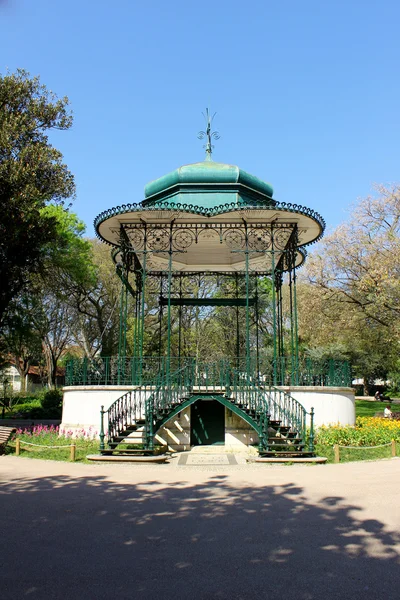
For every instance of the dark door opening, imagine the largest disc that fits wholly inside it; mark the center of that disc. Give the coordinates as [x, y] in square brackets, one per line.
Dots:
[207, 423]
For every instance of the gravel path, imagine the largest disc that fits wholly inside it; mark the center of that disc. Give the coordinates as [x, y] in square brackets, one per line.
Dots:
[206, 532]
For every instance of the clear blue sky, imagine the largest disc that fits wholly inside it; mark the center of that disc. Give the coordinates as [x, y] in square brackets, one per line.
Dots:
[307, 93]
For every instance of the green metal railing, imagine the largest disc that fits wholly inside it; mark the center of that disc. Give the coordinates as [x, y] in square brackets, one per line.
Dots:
[278, 404]
[146, 370]
[149, 404]
[138, 406]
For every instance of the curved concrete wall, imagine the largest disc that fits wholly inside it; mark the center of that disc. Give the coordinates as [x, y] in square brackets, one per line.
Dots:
[82, 404]
[332, 405]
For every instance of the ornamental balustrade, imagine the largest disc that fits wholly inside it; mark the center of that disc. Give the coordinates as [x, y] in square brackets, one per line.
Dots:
[121, 370]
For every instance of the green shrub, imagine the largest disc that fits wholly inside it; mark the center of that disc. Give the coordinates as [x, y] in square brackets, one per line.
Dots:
[26, 407]
[52, 403]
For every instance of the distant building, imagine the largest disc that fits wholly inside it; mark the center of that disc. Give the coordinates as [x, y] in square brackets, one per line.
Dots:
[35, 379]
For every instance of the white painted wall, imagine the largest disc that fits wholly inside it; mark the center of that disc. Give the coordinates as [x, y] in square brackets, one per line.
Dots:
[82, 404]
[332, 405]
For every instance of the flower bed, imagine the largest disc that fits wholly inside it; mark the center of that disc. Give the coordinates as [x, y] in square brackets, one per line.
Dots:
[368, 431]
[44, 437]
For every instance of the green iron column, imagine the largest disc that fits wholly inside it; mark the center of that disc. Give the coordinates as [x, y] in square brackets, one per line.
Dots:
[278, 285]
[180, 323]
[237, 323]
[161, 307]
[169, 304]
[257, 327]
[291, 265]
[274, 305]
[142, 307]
[296, 329]
[291, 319]
[121, 316]
[136, 328]
[247, 305]
[122, 333]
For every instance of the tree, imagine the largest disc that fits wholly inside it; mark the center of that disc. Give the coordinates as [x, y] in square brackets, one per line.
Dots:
[359, 263]
[43, 314]
[32, 174]
[20, 341]
[94, 299]
[52, 318]
[351, 287]
[67, 266]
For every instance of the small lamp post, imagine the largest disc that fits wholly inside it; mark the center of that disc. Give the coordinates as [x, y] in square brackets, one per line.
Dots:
[5, 384]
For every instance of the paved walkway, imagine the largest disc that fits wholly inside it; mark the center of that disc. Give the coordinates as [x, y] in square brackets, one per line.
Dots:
[173, 532]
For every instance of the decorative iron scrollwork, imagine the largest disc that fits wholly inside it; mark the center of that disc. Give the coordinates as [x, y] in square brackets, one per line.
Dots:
[136, 238]
[259, 239]
[281, 237]
[158, 240]
[182, 239]
[235, 239]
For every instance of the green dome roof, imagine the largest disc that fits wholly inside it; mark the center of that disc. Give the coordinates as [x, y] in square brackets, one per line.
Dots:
[208, 184]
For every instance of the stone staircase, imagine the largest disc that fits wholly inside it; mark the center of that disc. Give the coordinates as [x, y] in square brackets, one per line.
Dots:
[130, 441]
[284, 442]
[277, 439]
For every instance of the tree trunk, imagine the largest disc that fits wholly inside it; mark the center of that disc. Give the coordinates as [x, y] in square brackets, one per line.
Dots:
[51, 365]
[22, 365]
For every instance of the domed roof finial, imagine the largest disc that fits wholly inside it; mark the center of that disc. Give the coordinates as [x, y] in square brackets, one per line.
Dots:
[208, 134]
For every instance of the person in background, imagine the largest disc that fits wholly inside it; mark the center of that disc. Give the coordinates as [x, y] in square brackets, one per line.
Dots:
[387, 413]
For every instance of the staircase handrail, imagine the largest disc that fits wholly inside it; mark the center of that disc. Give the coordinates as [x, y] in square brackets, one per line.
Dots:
[289, 411]
[134, 405]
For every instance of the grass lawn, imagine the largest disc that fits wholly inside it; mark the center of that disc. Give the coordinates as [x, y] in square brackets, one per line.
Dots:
[45, 453]
[366, 408]
[356, 454]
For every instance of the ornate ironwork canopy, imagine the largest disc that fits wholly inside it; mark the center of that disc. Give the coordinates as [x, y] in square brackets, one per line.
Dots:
[216, 220]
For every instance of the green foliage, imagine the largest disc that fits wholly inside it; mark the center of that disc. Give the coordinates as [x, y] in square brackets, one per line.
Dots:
[44, 406]
[32, 174]
[335, 350]
[394, 377]
[70, 260]
[52, 402]
[25, 409]
[369, 431]
[349, 289]
[28, 397]
[370, 439]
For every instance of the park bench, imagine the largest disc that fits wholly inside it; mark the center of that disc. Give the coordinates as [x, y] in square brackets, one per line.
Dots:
[5, 434]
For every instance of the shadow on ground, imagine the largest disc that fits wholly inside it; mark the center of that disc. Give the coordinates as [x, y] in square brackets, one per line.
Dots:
[91, 538]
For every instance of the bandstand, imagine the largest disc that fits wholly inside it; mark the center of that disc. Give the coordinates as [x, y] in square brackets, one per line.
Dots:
[208, 240]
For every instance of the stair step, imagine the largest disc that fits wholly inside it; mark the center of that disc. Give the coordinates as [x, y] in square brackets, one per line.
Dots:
[118, 439]
[132, 452]
[283, 428]
[287, 454]
[284, 440]
[134, 431]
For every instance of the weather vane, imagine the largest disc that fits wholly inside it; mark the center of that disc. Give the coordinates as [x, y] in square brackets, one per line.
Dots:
[208, 134]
